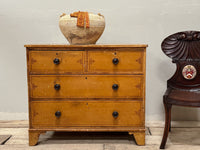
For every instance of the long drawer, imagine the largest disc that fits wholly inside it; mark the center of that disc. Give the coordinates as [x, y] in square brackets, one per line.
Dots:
[56, 62]
[88, 113]
[116, 61]
[86, 86]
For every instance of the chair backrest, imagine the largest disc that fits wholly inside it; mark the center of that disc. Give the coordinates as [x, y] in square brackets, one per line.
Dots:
[184, 49]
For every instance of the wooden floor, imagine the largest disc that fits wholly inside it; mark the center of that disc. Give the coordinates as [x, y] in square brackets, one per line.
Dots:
[184, 136]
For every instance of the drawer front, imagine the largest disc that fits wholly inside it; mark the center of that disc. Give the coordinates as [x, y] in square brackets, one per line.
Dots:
[90, 86]
[56, 62]
[117, 62]
[87, 113]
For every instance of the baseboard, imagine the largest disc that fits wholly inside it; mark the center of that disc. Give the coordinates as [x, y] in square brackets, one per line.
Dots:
[13, 116]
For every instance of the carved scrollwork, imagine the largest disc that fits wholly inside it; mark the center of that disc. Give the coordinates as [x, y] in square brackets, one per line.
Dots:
[182, 45]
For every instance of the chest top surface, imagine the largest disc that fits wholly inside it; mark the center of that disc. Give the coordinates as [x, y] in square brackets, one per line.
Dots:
[82, 46]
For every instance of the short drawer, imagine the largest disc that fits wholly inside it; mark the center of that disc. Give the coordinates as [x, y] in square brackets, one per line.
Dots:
[86, 86]
[56, 62]
[116, 61]
[87, 113]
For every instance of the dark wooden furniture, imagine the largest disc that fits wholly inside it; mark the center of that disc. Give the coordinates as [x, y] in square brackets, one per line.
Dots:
[86, 88]
[183, 88]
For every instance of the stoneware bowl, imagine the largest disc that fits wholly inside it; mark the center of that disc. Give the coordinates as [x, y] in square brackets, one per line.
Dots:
[81, 35]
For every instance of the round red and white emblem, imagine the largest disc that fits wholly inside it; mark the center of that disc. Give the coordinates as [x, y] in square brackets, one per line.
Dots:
[189, 72]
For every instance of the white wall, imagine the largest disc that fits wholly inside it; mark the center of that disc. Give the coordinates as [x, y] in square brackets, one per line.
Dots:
[127, 22]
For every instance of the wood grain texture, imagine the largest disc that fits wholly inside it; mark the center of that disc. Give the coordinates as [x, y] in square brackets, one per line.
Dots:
[85, 46]
[4, 138]
[86, 99]
[70, 62]
[139, 138]
[183, 48]
[130, 62]
[90, 128]
[34, 136]
[28, 81]
[90, 86]
[182, 45]
[87, 113]
[185, 131]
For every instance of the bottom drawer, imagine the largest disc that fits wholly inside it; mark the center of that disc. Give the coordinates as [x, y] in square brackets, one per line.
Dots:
[86, 113]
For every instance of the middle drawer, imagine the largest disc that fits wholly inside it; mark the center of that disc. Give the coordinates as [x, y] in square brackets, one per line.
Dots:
[86, 86]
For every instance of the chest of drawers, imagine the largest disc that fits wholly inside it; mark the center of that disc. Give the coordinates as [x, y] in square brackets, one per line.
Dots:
[86, 88]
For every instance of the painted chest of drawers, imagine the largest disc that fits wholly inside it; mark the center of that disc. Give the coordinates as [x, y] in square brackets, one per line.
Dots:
[86, 88]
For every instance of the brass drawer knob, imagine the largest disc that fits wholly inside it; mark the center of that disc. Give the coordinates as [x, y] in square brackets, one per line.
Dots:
[115, 114]
[57, 86]
[56, 61]
[115, 61]
[115, 86]
[57, 114]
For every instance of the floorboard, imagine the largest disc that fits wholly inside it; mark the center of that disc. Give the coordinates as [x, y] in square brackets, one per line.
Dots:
[183, 136]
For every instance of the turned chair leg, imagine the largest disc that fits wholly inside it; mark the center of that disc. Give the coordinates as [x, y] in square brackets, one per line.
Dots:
[167, 124]
[170, 121]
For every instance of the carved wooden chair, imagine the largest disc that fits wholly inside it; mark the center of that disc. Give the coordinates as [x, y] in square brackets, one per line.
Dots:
[183, 88]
